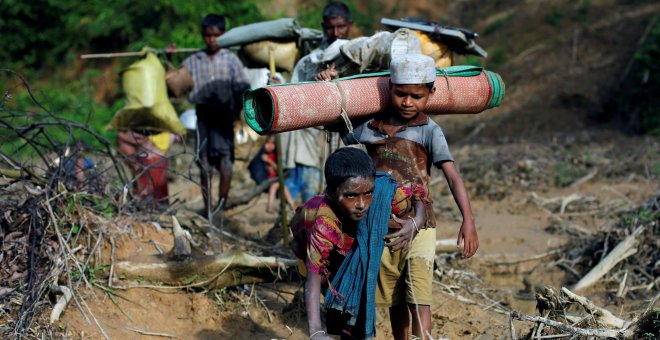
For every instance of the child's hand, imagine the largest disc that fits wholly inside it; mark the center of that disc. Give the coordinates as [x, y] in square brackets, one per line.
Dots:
[468, 236]
[328, 74]
[273, 79]
[403, 238]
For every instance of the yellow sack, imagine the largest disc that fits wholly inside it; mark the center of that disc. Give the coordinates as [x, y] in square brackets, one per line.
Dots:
[147, 106]
[438, 51]
[162, 141]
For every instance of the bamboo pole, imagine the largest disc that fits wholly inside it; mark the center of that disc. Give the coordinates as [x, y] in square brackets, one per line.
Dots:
[134, 54]
[280, 171]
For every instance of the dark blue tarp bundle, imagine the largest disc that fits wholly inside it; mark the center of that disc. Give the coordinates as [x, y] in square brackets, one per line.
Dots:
[355, 281]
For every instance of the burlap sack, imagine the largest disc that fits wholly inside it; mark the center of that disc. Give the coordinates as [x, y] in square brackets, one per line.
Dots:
[179, 81]
[147, 105]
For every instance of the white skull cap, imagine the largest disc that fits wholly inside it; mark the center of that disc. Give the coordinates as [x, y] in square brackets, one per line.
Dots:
[412, 69]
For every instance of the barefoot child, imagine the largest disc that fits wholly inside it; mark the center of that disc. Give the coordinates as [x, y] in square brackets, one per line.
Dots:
[404, 142]
[332, 231]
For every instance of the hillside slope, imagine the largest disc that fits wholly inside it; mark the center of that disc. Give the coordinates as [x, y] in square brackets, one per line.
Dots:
[561, 61]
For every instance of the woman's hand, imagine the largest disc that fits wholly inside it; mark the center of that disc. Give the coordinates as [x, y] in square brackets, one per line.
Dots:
[402, 239]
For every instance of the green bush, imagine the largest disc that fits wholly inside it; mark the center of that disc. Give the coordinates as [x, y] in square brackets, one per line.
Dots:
[554, 17]
[636, 104]
[40, 33]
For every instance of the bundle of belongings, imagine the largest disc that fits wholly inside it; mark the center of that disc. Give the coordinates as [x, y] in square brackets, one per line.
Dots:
[373, 54]
[282, 39]
[363, 89]
[147, 106]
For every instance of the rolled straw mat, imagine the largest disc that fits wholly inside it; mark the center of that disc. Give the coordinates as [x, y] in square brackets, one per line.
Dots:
[286, 107]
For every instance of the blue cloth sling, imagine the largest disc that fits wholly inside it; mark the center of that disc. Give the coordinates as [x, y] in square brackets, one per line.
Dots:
[355, 281]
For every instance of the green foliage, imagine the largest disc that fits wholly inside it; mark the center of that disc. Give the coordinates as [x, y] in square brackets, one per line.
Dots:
[91, 273]
[41, 39]
[641, 217]
[497, 57]
[473, 60]
[554, 17]
[41, 32]
[497, 24]
[191, 279]
[55, 101]
[655, 169]
[220, 296]
[582, 12]
[638, 100]
[104, 206]
[567, 173]
[649, 327]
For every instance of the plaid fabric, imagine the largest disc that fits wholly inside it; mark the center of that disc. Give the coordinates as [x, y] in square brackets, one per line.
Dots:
[218, 80]
[317, 233]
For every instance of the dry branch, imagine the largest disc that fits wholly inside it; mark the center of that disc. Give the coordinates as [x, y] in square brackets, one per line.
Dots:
[624, 249]
[234, 201]
[527, 259]
[62, 302]
[602, 315]
[181, 248]
[599, 332]
[165, 335]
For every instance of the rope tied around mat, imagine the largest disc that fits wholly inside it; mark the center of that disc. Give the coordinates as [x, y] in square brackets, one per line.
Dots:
[446, 76]
[343, 113]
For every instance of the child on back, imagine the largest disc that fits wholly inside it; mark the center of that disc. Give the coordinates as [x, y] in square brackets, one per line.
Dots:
[325, 228]
[404, 142]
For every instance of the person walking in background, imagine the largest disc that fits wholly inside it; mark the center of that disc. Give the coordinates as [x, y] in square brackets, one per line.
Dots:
[219, 82]
[145, 155]
[302, 150]
[264, 167]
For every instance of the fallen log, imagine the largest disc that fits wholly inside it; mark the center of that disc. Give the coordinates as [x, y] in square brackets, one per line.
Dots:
[623, 250]
[225, 270]
[245, 198]
[446, 246]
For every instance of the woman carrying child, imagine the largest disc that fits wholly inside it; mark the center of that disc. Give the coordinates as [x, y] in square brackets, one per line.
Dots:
[345, 225]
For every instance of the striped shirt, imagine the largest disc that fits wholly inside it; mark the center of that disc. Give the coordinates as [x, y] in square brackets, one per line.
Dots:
[218, 80]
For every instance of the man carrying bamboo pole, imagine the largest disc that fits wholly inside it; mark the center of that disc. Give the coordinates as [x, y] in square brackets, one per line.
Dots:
[302, 151]
[219, 83]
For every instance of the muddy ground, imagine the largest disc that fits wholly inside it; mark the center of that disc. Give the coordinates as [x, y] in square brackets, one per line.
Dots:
[511, 185]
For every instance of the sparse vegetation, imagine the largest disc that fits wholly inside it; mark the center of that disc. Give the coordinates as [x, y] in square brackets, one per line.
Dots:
[636, 105]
